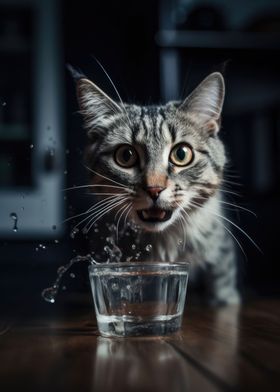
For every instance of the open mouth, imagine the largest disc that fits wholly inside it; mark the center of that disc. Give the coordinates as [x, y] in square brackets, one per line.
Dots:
[154, 215]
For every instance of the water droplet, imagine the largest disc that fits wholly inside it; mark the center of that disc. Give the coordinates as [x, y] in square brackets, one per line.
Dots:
[61, 270]
[149, 247]
[36, 249]
[4, 103]
[180, 242]
[56, 241]
[31, 146]
[67, 151]
[22, 208]
[54, 227]
[48, 127]
[96, 230]
[42, 246]
[50, 293]
[133, 246]
[72, 275]
[115, 287]
[74, 232]
[14, 216]
[65, 172]
[64, 288]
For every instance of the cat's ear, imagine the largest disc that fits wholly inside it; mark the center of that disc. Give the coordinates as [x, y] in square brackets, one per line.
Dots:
[95, 105]
[205, 103]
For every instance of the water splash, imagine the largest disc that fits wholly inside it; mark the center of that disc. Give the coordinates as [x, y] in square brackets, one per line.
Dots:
[148, 248]
[14, 216]
[110, 253]
[42, 247]
[49, 294]
[74, 232]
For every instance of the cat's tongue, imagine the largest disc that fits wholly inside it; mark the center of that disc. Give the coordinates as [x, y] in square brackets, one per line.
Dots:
[156, 213]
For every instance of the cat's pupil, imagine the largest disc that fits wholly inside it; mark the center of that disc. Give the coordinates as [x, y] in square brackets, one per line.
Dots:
[127, 154]
[181, 153]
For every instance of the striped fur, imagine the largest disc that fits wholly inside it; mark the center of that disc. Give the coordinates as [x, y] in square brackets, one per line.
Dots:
[191, 192]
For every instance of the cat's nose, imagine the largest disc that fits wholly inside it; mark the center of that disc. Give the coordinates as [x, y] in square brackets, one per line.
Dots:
[154, 191]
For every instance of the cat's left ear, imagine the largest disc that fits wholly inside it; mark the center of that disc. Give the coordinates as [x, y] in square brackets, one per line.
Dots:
[205, 103]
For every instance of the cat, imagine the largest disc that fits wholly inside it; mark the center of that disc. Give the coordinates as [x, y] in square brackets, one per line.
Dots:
[161, 166]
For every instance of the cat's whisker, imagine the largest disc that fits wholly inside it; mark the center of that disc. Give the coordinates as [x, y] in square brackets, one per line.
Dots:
[126, 216]
[106, 178]
[107, 194]
[100, 214]
[236, 206]
[228, 230]
[234, 237]
[96, 186]
[227, 203]
[104, 201]
[111, 200]
[124, 209]
[229, 221]
[181, 220]
[231, 182]
[100, 208]
[114, 87]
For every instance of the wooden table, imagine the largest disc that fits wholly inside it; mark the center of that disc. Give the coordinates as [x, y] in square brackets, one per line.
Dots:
[226, 349]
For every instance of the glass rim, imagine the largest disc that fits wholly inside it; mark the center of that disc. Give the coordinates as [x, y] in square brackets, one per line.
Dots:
[139, 264]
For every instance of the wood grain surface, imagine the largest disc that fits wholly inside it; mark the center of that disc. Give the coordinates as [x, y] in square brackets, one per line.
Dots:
[225, 349]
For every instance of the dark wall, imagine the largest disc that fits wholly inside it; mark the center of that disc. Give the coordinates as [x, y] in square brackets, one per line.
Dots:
[121, 35]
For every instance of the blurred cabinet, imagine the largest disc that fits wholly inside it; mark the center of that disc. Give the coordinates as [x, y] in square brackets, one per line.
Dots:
[31, 119]
[242, 40]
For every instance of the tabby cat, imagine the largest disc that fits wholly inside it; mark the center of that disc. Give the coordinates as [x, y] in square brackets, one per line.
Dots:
[162, 168]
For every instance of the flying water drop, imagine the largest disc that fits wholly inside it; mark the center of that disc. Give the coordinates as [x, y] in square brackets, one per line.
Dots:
[148, 248]
[49, 294]
[74, 232]
[14, 216]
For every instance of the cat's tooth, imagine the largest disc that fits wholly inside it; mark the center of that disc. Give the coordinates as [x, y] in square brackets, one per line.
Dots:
[162, 215]
[145, 214]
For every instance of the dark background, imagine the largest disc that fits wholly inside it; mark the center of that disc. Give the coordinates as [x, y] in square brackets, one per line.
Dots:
[124, 36]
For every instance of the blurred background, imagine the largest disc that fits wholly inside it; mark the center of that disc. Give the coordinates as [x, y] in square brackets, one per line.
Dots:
[154, 51]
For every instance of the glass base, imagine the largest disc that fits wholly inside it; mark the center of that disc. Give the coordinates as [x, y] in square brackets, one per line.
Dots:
[121, 326]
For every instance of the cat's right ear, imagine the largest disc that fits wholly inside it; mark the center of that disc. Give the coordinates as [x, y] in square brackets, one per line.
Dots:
[96, 106]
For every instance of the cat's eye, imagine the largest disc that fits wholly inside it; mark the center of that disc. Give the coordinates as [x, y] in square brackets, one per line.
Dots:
[126, 156]
[181, 155]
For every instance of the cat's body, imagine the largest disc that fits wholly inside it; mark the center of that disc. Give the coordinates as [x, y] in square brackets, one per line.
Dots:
[162, 168]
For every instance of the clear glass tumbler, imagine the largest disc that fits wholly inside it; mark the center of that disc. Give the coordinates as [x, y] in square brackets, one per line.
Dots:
[139, 298]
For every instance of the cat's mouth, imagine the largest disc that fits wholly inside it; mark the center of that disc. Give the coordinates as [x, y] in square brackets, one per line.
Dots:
[154, 215]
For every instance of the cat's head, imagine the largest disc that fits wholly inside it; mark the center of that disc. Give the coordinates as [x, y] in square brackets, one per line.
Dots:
[155, 164]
